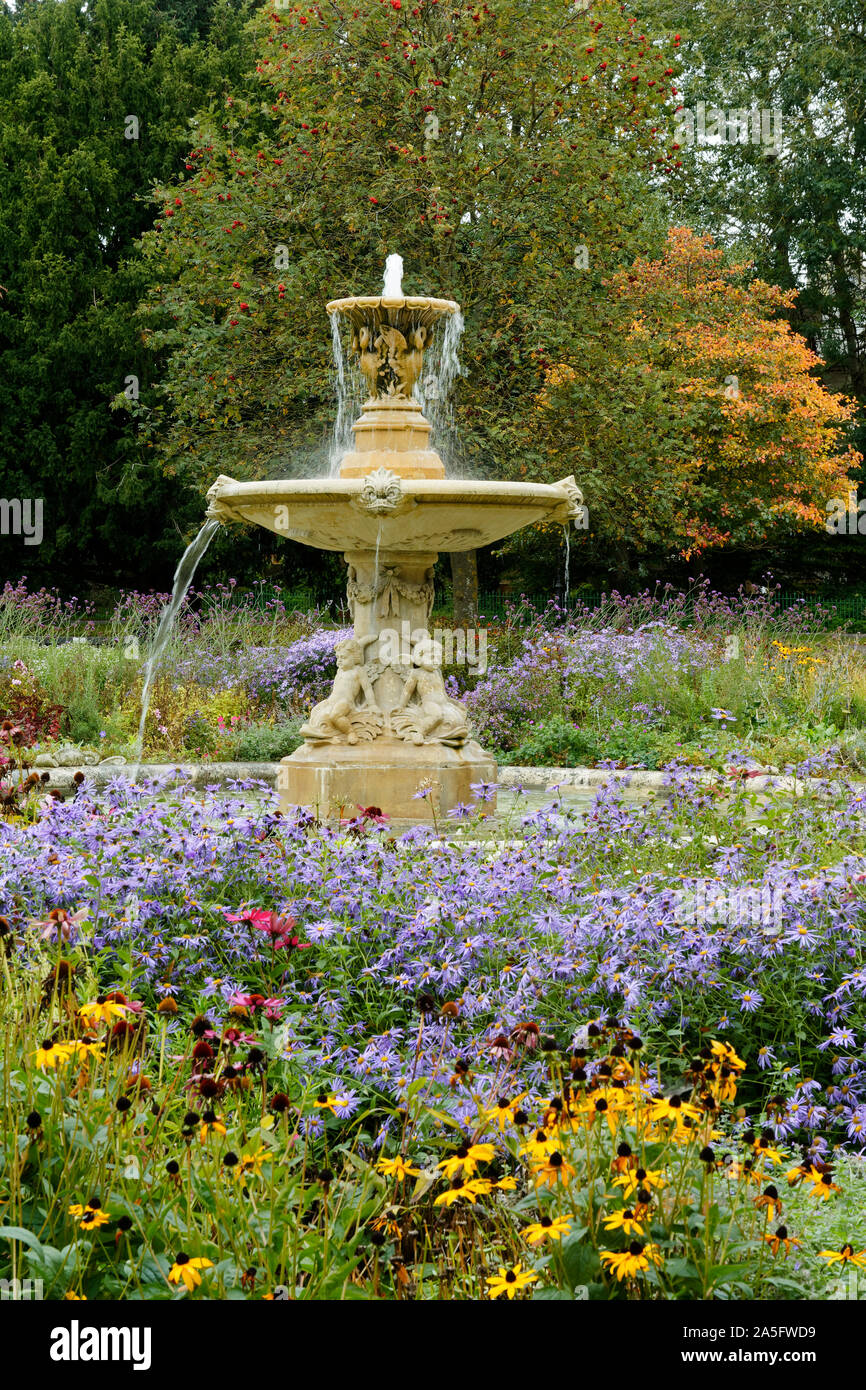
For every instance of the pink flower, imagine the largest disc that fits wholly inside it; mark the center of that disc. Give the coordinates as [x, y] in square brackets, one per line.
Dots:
[59, 924]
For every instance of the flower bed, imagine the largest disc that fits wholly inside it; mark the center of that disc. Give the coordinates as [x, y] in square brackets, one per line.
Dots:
[202, 997]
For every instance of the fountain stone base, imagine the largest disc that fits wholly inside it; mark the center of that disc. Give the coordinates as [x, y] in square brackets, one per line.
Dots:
[388, 773]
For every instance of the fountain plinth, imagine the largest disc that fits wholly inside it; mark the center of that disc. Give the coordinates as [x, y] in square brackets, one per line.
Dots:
[389, 730]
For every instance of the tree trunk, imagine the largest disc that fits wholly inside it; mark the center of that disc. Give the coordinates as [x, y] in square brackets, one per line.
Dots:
[464, 582]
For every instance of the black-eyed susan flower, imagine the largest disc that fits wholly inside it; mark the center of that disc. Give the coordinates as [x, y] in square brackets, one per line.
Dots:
[457, 1191]
[769, 1201]
[510, 1281]
[726, 1055]
[545, 1229]
[765, 1150]
[552, 1169]
[251, 1163]
[384, 1228]
[503, 1112]
[640, 1177]
[672, 1108]
[466, 1159]
[51, 1054]
[398, 1167]
[482, 1187]
[623, 1220]
[781, 1240]
[90, 1217]
[625, 1264]
[211, 1124]
[325, 1102]
[624, 1159]
[845, 1256]
[823, 1185]
[72, 1297]
[539, 1144]
[101, 1010]
[186, 1270]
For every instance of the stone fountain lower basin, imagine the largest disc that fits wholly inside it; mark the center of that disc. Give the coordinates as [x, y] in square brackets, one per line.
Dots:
[389, 733]
[393, 514]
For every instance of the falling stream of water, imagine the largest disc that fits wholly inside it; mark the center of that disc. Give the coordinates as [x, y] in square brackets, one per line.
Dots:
[376, 566]
[347, 384]
[183, 577]
[434, 392]
[567, 529]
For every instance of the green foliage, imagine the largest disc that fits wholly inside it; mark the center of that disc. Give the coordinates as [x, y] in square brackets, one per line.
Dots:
[798, 205]
[82, 721]
[556, 743]
[266, 743]
[72, 201]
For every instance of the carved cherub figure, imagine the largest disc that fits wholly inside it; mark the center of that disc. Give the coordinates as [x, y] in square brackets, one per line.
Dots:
[369, 358]
[413, 358]
[435, 717]
[392, 339]
[340, 715]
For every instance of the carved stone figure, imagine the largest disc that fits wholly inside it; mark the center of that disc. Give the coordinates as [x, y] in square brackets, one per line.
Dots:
[390, 363]
[369, 357]
[392, 345]
[425, 713]
[381, 492]
[575, 496]
[340, 718]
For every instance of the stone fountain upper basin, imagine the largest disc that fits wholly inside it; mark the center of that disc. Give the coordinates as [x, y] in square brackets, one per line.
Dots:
[382, 511]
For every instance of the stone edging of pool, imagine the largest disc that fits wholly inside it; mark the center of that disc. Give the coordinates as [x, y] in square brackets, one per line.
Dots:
[530, 778]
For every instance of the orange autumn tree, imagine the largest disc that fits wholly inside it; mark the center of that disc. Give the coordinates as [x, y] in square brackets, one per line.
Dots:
[690, 412]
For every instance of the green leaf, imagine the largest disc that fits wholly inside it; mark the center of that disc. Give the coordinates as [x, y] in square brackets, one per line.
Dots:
[19, 1233]
[580, 1260]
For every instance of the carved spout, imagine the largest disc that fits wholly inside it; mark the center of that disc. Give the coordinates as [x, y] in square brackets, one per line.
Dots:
[217, 510]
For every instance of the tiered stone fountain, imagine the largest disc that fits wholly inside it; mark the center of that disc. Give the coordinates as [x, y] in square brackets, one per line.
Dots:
[388, 730]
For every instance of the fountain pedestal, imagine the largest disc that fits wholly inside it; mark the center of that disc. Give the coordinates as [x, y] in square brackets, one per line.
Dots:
[389, 730]
[387, 773]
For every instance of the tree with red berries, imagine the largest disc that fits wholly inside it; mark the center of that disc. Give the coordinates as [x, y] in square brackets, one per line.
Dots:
[505, 150]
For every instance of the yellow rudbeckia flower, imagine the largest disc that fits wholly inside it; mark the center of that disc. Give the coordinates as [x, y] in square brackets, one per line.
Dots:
[510, 1281]
[547, 1228]
[398, 1167]
[186, 1271]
